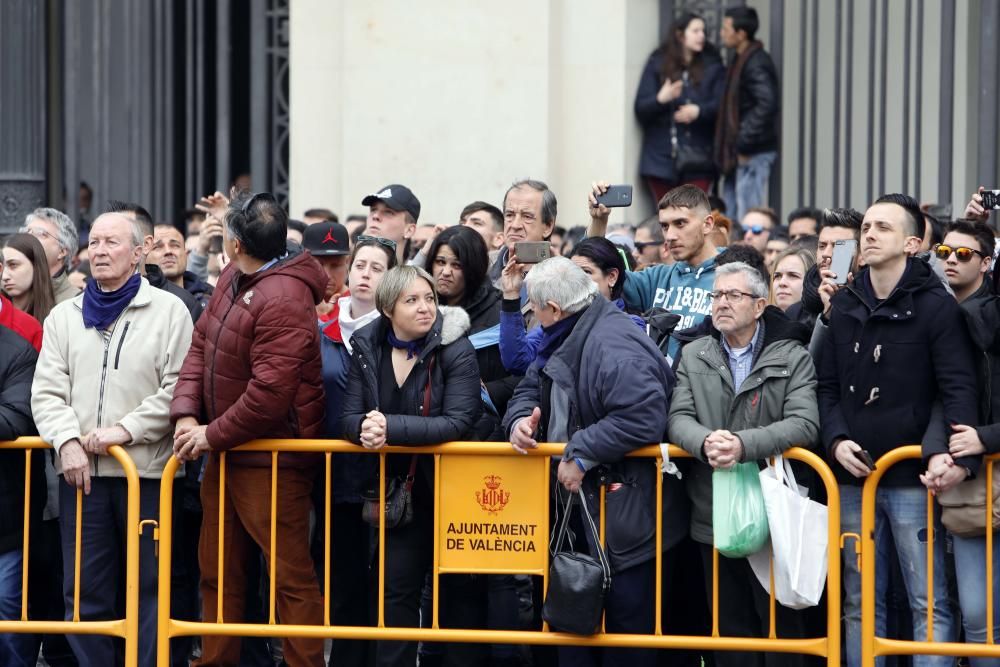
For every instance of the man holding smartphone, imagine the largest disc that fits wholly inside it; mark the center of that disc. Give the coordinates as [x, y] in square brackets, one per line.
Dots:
[896, 367]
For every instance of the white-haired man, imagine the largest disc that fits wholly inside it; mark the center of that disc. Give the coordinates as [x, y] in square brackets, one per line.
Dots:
[745, 392]
[600, 385]
[109, 362]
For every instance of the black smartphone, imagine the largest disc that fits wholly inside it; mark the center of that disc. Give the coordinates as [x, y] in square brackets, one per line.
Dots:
[991, 199]
[843, 259]
[865, 458]
[618, 196]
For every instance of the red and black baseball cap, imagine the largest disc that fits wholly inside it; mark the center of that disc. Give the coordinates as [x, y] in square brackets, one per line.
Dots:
[326, 239]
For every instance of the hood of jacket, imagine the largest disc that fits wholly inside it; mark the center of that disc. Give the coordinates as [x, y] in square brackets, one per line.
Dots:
[450, 324]
[917, 277]
[298, 265]
[484, 302]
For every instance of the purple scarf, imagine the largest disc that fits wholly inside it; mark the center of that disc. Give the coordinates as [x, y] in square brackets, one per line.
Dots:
[101, 309]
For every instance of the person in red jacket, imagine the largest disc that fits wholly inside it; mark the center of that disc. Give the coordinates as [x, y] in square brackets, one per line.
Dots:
[21, 323]
[254, 371]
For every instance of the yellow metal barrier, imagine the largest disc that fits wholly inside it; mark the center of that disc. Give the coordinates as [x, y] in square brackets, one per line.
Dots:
[827, 647]
[872, 646]
[126, 628]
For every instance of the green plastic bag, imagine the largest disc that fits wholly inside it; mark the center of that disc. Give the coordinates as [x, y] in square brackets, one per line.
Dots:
[739, 516]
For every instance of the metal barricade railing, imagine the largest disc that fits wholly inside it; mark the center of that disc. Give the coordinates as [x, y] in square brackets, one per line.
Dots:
[828, 646]
[126, 628]
[872, 646]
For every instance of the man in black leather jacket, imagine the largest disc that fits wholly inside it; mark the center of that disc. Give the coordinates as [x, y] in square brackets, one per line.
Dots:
[746, 139]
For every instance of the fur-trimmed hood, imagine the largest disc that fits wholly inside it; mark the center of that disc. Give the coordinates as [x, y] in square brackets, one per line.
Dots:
[455, 323]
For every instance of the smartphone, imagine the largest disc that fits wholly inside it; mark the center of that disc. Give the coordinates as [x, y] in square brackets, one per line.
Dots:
[618, 196]
[865, 458]
[991, 199]
[843, 258]
[532, 252]
[215, 245]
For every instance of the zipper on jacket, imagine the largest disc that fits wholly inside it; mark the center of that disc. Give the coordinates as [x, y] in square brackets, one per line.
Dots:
[121, 342]
[104, 374]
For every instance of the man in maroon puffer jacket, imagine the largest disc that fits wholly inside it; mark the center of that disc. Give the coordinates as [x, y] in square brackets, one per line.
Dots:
[254, 371]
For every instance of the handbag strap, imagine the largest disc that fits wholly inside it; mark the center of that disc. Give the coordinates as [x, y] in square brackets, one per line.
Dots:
[601, 556]
[411, 475]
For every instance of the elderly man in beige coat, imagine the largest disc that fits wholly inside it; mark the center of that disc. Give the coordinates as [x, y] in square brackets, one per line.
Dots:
[106, 374]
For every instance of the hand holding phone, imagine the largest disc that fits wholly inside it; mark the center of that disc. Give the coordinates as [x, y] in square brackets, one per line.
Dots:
[532, 252]
[843, 259]
[616, 196]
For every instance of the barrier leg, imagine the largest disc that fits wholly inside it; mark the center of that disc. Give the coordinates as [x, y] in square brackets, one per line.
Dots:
[163, 626]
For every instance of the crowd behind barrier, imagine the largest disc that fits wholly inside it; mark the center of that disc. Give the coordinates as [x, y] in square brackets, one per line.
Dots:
[814, 350]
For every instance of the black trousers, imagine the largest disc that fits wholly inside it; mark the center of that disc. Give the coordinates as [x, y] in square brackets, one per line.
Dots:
[744, 611]
[409, 554]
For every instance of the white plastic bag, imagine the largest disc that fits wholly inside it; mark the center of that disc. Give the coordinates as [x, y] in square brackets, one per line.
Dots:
[799, 539]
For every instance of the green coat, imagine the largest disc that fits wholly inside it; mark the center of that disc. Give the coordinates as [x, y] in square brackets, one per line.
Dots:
[774, 409]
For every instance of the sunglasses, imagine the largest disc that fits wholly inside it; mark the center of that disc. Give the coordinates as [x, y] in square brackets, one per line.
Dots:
[757, 230]
[640, 246]
[388, 243]
[962, 253]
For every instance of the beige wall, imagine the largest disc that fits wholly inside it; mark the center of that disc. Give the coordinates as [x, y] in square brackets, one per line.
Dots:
[456, 99]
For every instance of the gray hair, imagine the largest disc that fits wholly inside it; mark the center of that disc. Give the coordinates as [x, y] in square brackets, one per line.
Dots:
[755, 282]
[559, 280]
[549, 204]
[394, 282]
[67, 235]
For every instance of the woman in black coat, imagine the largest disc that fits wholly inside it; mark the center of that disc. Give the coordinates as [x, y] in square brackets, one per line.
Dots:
[677, 101]
[413, 380]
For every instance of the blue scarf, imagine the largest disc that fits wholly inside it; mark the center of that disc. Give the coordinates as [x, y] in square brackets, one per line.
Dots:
[413, 347]
[101, 309]
[553, 337]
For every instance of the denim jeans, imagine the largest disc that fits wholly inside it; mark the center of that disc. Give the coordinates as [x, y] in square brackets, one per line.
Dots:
[900, 515]
[15, 648]
[970, 570]
[747, 188]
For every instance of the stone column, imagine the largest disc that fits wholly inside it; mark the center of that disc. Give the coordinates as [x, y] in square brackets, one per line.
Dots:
[22, 113]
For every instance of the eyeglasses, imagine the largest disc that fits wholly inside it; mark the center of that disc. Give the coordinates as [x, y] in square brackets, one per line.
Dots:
[37, 232]
[640, 246]
[260, 196]
[388, 243]
[733, 296]
[962, 253]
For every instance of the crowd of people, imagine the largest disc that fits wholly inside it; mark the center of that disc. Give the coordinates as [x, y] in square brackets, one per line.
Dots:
[731, 337]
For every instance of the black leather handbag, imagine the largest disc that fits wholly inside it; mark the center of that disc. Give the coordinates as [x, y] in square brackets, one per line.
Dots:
[578, 583]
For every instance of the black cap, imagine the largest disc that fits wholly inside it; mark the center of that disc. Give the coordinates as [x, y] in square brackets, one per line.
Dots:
[326, 239]
[397, 197]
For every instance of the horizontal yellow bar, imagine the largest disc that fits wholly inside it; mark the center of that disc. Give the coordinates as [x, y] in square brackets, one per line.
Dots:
[805, 646]
[111, 628]
[900, 647]
[464, 448]
[483, 570]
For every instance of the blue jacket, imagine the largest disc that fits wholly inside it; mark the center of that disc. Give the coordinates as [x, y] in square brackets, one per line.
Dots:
[518, 347]
[883, 365]
[350, 472]
[619, 387]
[677, 288]
[656, 119]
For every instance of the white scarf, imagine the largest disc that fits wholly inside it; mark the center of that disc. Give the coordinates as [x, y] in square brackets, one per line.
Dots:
[348, 325]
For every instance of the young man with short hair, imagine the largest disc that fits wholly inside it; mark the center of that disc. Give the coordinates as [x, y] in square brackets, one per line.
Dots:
[682, 287]
[487, 220]
[896, 345]
[392, 214]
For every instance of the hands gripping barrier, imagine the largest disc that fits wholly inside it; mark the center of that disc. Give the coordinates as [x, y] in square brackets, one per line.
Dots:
[474, 453]
[126, 628]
